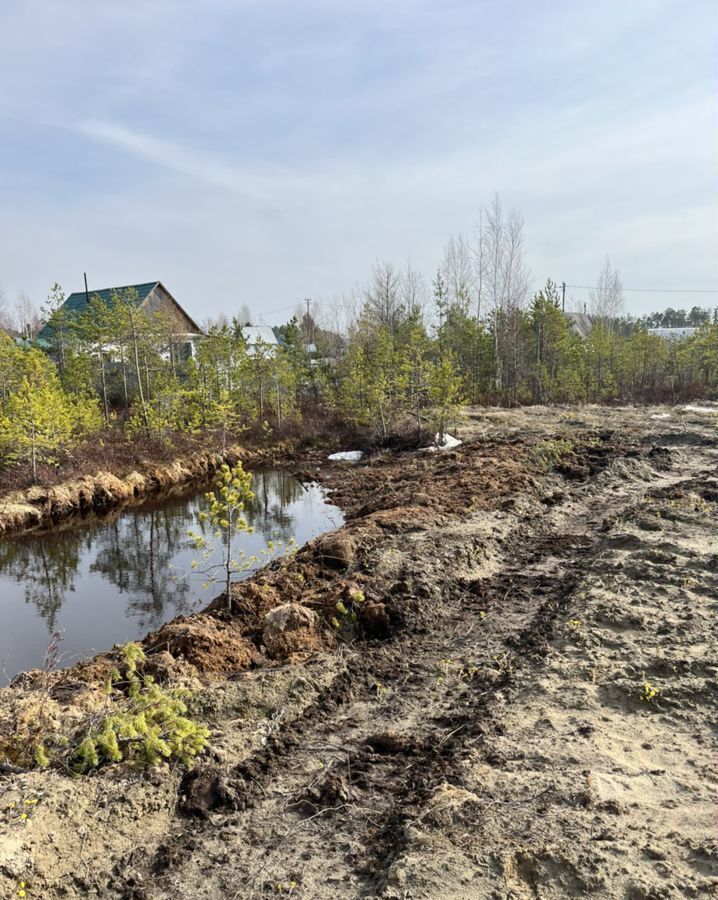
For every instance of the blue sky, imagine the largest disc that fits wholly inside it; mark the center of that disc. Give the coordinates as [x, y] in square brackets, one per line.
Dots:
[262, 151]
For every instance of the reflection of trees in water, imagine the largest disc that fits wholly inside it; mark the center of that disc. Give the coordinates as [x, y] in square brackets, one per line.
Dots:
[134, 553]
[46, 565]
[273, 493]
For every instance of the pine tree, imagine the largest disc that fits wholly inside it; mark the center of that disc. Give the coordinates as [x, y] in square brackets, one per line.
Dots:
[39, 419]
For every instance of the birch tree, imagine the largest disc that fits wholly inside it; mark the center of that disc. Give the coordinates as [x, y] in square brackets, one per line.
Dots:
[606, 299]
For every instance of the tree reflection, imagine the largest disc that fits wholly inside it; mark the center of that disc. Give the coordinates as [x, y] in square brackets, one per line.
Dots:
[274, 492]
[46, 565]
[133, 551]
[135, 554]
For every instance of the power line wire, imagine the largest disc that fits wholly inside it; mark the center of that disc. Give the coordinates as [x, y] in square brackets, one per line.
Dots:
[595, 287]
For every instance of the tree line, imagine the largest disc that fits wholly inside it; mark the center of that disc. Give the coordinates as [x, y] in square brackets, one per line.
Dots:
[407, 356]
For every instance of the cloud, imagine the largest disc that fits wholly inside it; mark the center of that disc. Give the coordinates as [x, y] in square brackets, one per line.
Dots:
[283, 147]
[203, 167]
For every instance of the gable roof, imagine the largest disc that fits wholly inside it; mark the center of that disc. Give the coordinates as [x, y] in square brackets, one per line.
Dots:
[77, 303]
[12, 333]
[253, 334]
[579, 323]
[676, 333]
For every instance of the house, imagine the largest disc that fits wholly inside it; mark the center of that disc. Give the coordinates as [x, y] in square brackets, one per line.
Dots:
[673, 334]
[579, 324]
[260, 340]
[150, 297]
[11, 333]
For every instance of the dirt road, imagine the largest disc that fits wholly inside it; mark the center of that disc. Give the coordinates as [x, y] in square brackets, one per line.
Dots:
[523, 707]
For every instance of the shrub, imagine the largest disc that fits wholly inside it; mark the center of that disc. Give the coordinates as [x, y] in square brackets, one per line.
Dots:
[148, 726]
[550, 452]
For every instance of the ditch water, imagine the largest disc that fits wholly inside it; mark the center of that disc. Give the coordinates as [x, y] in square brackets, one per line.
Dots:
[109, 580]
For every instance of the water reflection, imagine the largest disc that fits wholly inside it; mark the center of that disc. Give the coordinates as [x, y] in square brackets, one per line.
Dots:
[46, 569]
[113, 579]
[136, 554]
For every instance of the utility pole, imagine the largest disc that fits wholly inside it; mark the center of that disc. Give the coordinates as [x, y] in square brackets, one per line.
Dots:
[87, 293]
[308, 301]
[563, 296]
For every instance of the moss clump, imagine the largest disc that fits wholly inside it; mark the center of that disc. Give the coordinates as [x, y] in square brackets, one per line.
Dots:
[549, 453]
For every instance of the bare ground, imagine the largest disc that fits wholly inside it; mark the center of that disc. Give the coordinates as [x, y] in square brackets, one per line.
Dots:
[488, 734]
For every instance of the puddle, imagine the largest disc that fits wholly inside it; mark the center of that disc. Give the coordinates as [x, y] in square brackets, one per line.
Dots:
[112, 580]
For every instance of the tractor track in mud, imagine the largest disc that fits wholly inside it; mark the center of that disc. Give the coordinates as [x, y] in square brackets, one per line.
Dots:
[381, 773]
[478, 738]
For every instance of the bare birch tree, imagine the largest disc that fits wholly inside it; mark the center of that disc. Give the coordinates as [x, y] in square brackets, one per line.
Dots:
[457, 270]
[27, 317]
[383, 302]
[480, 262]
[606, 299]
[505, 282]
[6, 319]
[413, 291]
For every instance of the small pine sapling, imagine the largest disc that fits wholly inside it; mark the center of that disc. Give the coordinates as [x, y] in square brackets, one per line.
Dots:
[226, 515]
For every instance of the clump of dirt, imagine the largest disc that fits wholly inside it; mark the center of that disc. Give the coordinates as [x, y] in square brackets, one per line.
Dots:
[206, 643]
[291, 628]
[337, 550]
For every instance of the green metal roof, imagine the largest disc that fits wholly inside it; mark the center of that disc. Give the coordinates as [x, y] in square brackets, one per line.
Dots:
[76, 303]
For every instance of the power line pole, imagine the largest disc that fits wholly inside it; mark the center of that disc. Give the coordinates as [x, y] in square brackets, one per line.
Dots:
[563, 296]
[308, 301]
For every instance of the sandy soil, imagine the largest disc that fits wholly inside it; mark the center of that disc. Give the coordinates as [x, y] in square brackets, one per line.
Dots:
[484, 731]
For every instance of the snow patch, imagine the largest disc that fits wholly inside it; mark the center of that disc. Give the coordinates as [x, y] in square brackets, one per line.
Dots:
[346, 455]
[710, 410]
[661, 416]
[448, 443]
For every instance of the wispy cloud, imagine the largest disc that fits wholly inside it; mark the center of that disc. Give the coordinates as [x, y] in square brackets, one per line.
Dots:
[203, 167]
[284, 146]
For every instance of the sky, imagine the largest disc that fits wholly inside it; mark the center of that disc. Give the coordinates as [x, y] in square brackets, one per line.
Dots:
[262, 151]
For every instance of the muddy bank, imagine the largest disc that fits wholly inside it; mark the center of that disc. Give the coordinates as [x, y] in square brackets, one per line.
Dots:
[478, 730]
[39, 507]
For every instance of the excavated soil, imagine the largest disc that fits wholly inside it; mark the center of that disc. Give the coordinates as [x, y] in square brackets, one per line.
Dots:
[486, 727]
[104, 492]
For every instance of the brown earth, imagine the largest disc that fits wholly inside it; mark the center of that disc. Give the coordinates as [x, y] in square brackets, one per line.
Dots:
[482, 726]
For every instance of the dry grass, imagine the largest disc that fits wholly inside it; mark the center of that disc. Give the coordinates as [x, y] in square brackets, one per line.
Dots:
[23, 510]
[110, 470]
[16, 515]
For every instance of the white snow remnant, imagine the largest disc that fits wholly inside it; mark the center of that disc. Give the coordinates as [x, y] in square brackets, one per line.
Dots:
[347, 455]
[661, 416]
[710, 410]
[448, 443]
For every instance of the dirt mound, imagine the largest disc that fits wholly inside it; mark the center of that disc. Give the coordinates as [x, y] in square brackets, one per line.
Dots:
[206, 643]
[291, 628]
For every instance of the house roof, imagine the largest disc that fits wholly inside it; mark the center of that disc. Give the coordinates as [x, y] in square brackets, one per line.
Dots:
[677, 333]
[77, 302]
[253, 334]
[11, 333]
[580, 323]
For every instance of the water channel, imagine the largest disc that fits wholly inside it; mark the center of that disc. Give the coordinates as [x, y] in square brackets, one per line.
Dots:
[103, 581]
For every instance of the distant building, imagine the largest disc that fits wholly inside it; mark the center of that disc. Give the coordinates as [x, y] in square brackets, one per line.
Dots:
[260, 340]
[579, 323]
[673, 334]
[151, 297]
[12, 334]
